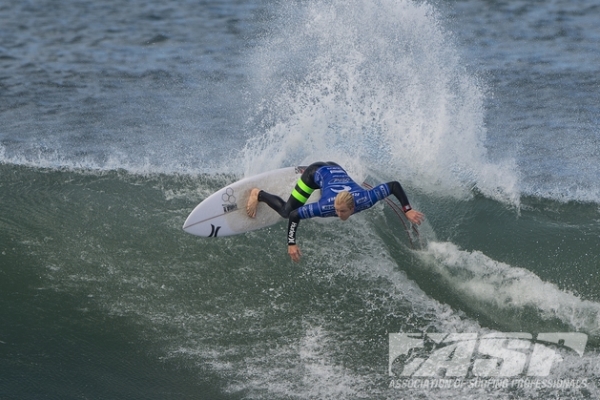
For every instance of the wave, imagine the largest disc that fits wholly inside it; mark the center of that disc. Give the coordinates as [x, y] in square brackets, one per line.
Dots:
[508, 296]
[141, 161]
[237, 308]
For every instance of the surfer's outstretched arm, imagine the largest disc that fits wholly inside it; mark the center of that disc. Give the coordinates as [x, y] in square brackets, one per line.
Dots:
[413, 216]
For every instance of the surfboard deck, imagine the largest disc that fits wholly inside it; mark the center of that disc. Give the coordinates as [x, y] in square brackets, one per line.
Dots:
[224, 212]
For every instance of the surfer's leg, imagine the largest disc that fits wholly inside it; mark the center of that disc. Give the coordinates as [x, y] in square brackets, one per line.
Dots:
[273, 201]
[305, 186]
[297, 199]
[302, 191]
[252, 203]
[308, 176]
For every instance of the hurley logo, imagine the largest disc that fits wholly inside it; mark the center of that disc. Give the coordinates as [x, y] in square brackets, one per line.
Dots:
[292, 232]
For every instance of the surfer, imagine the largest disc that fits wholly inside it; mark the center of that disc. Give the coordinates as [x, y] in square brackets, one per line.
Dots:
[340, 196]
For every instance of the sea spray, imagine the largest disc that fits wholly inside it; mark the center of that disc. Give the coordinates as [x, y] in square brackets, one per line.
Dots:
[375, 85]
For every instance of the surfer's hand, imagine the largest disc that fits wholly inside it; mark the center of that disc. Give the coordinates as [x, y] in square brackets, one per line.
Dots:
[415, 216]
[294, 252]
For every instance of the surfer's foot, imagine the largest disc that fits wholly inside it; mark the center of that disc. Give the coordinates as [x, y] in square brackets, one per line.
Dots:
[252, 203]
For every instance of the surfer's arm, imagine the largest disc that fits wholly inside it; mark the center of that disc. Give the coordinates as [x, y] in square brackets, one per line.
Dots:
[306, 211]
[293, 221]
[396, 189]
[293, 249]
[413, 216]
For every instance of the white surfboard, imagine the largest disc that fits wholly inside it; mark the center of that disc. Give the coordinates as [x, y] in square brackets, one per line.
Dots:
[224, 213]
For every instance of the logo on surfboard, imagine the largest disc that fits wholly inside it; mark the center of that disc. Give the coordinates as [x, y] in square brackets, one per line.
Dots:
[230, 201]
[214, 230]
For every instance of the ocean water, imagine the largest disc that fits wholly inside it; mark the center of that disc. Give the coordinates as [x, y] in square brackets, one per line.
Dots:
[118, 118]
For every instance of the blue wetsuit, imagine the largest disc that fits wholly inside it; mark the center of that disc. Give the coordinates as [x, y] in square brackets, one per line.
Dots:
[331, 179]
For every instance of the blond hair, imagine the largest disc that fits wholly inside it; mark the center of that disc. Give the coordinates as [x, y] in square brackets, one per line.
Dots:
[345, 198]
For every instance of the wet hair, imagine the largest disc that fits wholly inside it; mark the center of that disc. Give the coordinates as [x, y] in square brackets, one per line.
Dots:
[345, 198]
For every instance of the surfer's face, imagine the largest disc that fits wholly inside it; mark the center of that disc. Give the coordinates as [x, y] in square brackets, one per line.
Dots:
[343, 211]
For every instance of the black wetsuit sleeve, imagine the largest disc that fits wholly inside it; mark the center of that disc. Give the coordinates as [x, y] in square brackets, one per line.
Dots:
[293, 222]
[398, 192]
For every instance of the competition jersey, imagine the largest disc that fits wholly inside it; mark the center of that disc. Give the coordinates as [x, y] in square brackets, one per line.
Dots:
[332, 180]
